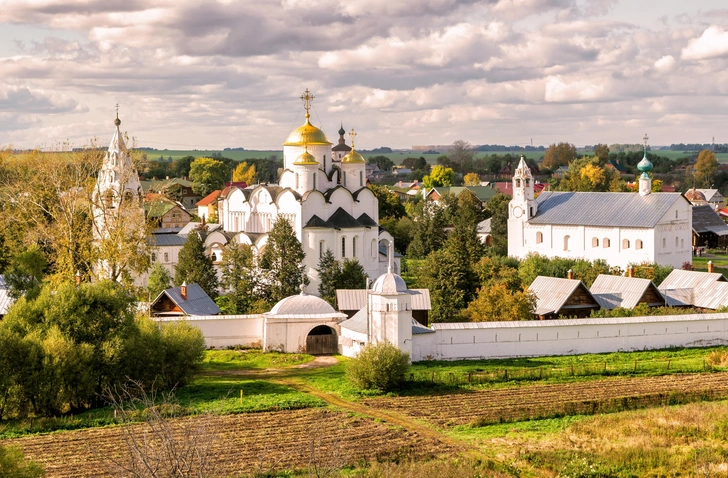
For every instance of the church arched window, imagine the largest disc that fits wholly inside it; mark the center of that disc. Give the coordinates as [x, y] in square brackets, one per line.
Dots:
[625, 243]
[296, 180]
[664, 243]
[344, 179]
[353, 246]
[595, 242]
[527, 181]
[314, 180]
[606, 243]
[518, 183]
[322, 248]
[566, 242]
[361, 179]
[638, 244]
[539, 237]
[374, 248]
[343, 247]
[676, 242]
[682, 243]
[324, 162]
[109, 199]
[154, 257]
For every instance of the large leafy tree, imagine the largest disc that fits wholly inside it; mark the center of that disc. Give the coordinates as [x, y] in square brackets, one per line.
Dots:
[559, 155]
[447, 279]
[328, 271]
[389, 204]
[495, 302]
[283, 259]
[238, 277]
[439, 176]
[159, 280]
[497, 208]
[245, 172]
[586, 174]
[194, 266]
[461, 156]
[705, 168]
[207, 175]
[382, 162]
[429, 229]
[25, 273]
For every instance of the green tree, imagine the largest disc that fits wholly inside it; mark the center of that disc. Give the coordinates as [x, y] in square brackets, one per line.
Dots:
[245, 172]
[283, 258]
[208, 175]
[705, 168]
[194, 266]
[13, 464]
[402, 231]
[238, 277]
[651, 270]
[495, 302]
[447, 277]
[439, 176]
[182, 167]
[352, 275]
[382, 162]
[380, 366]
[328, 271]
[559, 155]
[159, 280]
[497, 209]
[601, 152]
[389, 204]
[429, 229]
[25, 273]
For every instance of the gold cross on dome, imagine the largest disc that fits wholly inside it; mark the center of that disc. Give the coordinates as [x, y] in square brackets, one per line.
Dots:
[117, 110]
[645, 138]
[307, 98]
[352, 134]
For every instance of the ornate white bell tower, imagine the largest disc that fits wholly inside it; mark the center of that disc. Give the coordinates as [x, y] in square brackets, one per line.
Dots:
[522, 207]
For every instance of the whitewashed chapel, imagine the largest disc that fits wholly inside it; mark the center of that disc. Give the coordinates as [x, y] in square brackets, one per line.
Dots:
[620, 228]
[324, 197]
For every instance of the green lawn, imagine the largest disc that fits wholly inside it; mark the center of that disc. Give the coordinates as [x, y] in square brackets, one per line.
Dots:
[250, 359]
[720, 262]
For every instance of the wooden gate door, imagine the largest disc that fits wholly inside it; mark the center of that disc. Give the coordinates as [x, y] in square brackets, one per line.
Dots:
[322, 344]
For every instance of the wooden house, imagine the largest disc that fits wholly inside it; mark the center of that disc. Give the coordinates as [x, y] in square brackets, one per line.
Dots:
[556, 297]
[625, 292]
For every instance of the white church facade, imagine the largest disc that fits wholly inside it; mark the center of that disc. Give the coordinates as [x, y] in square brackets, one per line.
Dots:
[619, 228]
[324, 196]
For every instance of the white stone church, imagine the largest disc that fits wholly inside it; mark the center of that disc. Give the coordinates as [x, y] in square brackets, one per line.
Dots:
[620, 228]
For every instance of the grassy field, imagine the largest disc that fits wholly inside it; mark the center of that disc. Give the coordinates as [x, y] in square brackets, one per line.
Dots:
[585, 412]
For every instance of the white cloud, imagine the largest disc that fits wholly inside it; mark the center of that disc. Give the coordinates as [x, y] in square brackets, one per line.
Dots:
[713, 43]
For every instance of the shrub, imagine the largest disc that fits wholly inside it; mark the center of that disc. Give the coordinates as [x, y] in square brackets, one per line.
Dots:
[380, 366]
[13, 464]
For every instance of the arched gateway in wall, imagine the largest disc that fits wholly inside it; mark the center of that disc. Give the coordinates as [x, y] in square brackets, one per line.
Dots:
[322, 340]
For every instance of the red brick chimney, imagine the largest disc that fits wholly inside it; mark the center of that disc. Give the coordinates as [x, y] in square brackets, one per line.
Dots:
[570, 274]
[183, 290]
[710, 267]
[630, 271]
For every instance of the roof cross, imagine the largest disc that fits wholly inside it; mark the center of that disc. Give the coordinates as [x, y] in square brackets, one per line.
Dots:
[645, 138]
[307, 98]
[352, 135]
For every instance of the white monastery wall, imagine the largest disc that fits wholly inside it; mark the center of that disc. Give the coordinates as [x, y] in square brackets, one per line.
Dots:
[673, 236]
[289, 334]
[225, 330]
[568, 337]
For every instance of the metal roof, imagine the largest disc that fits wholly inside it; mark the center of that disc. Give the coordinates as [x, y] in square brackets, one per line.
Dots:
[709, 193]
[618, 291]
[553, 292]
[341, 219]
[705, 219]
[5, 300]
[358, 324]
[606, 209]
[681, 279]
[571, 322]
[484, 226]
[711, 296]
[356, 299]
[197, 302]
[168, 240]
[191, 226]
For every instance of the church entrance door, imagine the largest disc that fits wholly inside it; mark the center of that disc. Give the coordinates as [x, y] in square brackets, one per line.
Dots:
[322, 340]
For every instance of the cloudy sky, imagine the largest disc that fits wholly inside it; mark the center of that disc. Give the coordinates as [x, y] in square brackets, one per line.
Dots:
[213, 74]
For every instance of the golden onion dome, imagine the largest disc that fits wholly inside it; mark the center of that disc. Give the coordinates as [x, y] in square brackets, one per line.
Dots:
[306, 134]
[305, 159]
[353, 157]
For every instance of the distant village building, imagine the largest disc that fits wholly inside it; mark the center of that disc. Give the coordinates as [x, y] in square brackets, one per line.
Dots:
[163, 213]
[620, 228]
[556, 297]
[709, 230]
[183, 300]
